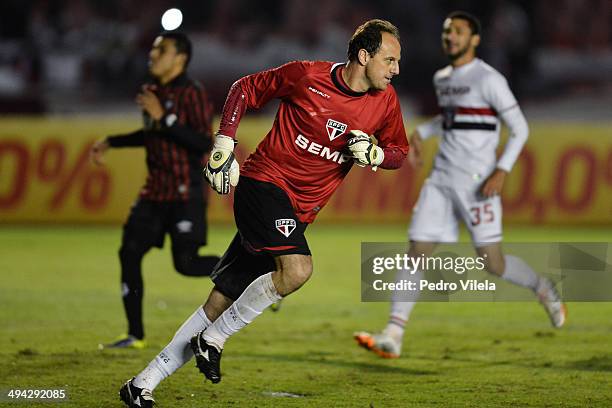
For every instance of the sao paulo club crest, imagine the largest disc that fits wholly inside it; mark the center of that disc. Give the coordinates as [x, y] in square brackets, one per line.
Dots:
[285, 226]
[334, 128]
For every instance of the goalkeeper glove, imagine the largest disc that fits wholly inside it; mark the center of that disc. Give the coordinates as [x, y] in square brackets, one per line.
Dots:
[222, 170]
[364, 151]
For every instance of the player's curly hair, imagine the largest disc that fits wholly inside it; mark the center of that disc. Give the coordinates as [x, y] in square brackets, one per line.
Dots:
[369, 37]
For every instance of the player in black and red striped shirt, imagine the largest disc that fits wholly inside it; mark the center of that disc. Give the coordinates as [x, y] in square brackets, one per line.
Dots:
[176, 136]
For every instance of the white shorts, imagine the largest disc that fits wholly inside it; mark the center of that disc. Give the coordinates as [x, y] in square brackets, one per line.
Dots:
[436, 215]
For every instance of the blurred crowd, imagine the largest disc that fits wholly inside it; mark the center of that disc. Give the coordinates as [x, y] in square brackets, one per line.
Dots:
[97, 49]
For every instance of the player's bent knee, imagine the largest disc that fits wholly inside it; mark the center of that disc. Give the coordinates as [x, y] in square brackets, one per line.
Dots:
[293, 273]
[182, 263]
[132, 248]
[494, 259]
[128, 255]
[301, 274]
[291, 280]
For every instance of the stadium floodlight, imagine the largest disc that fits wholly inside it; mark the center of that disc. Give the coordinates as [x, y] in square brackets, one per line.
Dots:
[172, 19]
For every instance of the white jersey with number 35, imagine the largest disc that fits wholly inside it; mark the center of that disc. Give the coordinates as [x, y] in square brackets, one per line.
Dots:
[472, 99]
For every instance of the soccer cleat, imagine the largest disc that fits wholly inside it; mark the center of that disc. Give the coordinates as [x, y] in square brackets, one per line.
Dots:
[381, 344]
[550, 299]
[208, 358]
[126, 341]
[135, 397]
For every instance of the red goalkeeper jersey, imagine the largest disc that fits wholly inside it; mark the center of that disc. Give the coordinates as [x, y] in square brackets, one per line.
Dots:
[305, 152]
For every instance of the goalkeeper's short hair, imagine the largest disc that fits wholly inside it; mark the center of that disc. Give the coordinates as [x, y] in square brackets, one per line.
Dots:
[368, 36]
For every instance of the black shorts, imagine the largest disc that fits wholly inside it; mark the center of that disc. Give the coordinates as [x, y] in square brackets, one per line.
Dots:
[267, 227]
[149, 221]
[266, 219]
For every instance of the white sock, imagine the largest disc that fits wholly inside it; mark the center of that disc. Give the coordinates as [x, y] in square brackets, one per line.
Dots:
[175, 354]
[518, 272]
[402, 304]
[260, 294]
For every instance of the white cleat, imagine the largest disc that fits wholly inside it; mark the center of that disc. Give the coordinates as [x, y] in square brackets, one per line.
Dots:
[550, 299]
[381, 343]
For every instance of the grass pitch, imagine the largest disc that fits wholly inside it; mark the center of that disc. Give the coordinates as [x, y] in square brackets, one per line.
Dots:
[60, 297]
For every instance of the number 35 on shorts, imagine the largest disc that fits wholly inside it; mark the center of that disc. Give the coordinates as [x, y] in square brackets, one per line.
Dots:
[482, 214]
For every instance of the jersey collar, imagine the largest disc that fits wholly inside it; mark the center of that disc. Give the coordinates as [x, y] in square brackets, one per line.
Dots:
[336, 77]
[467, 66]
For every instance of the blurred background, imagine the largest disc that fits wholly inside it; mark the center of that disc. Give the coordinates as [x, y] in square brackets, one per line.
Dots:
[73, 67]
[59, 56]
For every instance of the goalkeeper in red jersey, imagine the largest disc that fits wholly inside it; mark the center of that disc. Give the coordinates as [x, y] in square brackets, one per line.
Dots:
[323, 125]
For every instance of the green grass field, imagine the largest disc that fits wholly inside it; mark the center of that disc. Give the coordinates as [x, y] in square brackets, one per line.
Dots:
[60, 298]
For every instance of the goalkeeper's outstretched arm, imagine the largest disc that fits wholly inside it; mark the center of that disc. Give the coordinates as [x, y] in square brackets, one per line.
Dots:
[252, 91]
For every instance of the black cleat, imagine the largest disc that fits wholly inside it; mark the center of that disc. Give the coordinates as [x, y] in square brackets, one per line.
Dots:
[208, 358]
[135, 397]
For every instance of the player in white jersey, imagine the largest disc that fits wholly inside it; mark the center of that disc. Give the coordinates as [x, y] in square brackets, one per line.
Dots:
[467, 178]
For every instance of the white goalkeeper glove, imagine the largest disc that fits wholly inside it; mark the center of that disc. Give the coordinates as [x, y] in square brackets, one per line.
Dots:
[222, 170]
[365, 153]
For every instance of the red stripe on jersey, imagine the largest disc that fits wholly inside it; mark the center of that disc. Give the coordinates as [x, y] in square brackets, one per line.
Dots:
[160, 181]
[475, 111]
[166, 179]
[155, 183]
[182, 96]
[176, 169]
[184, 162]
[277, 248]
[154, 173]
[186, 175]
[197, 109]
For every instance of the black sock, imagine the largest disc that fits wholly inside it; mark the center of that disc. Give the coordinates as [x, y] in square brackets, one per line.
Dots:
[132, 303]
[132, 291]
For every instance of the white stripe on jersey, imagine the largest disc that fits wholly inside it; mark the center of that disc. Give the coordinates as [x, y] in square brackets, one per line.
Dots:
[476, 118]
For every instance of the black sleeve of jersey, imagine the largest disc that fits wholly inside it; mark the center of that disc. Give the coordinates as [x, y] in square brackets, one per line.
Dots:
[188, 138]
[133, 139]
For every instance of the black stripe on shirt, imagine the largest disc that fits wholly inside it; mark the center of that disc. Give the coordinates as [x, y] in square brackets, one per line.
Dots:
[473, 126]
